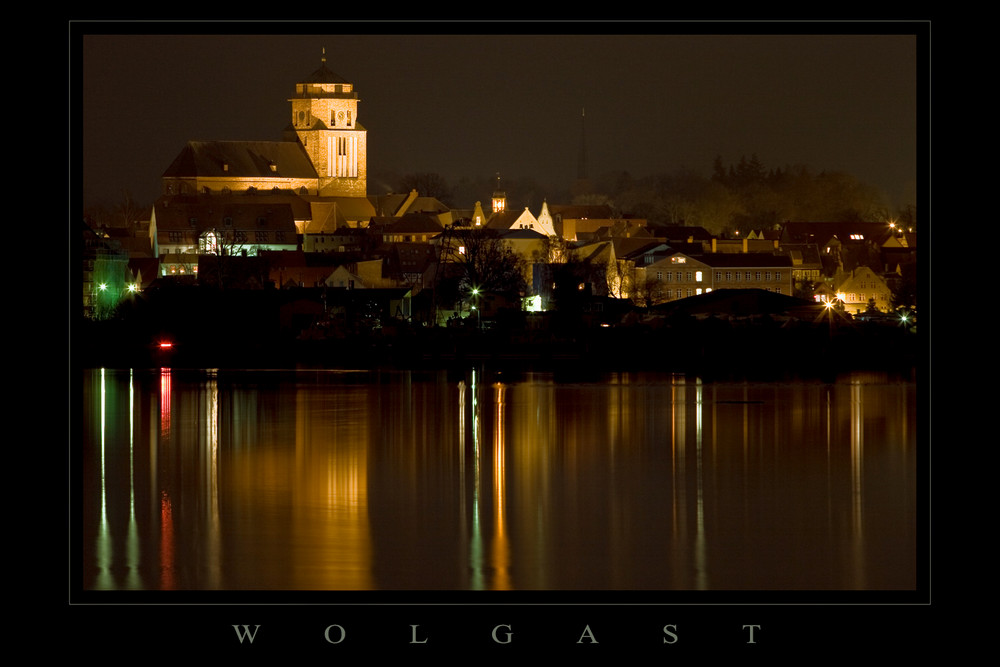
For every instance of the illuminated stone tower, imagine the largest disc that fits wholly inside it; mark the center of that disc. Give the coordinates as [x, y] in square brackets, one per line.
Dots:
[499, 197]
[325, 120]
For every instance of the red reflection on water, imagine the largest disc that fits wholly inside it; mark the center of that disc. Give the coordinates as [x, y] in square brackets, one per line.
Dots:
[166, 543]
[165, 402]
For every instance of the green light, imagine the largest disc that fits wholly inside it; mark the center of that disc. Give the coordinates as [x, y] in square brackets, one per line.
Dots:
[103, 287]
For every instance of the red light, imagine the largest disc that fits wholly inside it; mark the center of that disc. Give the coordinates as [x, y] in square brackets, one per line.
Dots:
[166, 345]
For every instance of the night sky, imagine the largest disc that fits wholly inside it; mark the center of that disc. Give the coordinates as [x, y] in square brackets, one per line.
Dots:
[472, 105]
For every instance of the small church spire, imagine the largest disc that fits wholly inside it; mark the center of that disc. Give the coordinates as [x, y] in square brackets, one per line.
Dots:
[499, 197]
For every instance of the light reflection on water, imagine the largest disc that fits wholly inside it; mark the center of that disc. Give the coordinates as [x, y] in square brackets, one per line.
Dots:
[310, 480]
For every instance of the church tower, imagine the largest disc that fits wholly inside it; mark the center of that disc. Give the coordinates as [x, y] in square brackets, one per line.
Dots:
[499, 198]
[325, 121]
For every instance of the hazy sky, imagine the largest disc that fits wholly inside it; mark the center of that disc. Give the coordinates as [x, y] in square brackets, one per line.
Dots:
[476, 104]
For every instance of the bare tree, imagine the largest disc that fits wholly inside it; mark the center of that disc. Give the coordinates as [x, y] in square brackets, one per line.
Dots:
[488, 263]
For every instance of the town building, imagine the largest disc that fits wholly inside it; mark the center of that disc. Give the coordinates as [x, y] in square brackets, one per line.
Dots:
[861, 289]
[187, 226]
[678, 275]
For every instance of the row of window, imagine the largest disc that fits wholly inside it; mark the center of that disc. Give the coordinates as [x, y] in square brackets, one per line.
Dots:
[720, 276]
[689, 291]
[239, 236]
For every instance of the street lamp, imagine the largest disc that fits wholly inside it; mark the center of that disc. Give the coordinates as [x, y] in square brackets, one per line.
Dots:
[479, 318]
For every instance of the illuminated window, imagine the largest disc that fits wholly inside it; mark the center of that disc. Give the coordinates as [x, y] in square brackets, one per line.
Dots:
[697, 276]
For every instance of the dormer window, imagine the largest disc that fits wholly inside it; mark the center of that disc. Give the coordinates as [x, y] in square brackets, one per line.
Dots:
[274, 167]
[225, 166]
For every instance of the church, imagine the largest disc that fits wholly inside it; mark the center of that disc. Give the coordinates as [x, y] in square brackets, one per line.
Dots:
[323, 152]
[316, 177]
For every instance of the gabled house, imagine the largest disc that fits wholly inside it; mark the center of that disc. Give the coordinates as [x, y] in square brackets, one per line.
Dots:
[406, 263]
[398, 205]
[509, 219]
[860, 287]
[842, 245]
[573, 222]
[299, 269]
[412, 228]
[328, 214]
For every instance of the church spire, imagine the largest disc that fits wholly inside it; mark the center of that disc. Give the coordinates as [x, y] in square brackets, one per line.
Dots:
[499, 197]
[582, 184]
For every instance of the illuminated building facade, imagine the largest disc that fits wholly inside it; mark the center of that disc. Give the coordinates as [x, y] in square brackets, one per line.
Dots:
[863, 286]
[324, 152]
[325, 123]
[678, 275]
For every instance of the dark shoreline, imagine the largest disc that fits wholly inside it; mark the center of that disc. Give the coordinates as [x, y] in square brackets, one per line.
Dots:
[711, 349]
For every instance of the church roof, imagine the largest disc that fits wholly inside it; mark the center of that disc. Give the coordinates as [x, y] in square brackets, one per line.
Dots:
[325, 75]
[242, 159]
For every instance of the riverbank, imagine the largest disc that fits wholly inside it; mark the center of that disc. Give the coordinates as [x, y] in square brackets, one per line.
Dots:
[765, 348]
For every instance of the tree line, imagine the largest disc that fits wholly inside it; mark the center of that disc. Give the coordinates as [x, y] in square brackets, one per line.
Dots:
[725, 199]
[729, 198]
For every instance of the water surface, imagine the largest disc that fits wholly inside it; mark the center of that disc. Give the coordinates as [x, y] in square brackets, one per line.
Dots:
[322, 480]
